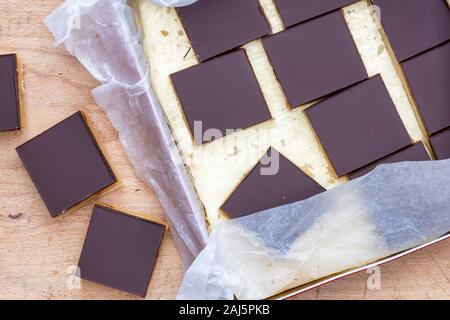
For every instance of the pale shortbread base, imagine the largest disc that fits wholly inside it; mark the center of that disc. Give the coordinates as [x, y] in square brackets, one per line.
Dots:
[218, 167]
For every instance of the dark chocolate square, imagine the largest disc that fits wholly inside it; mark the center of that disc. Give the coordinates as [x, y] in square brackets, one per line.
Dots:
[358, 126]
[217, 26]
[120, 250]
[9, 93]
[428, 76]
[414, 26]
[260, 191]
[315, 58]
[295, 11]
[223, 94]
[441, 144]
[66, 164]
[416, 152]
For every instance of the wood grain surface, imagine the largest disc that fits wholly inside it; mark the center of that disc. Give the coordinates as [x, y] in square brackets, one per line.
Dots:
[37, 253]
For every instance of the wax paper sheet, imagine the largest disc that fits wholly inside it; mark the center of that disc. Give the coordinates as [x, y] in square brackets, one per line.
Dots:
[103, 36]
[392, 209]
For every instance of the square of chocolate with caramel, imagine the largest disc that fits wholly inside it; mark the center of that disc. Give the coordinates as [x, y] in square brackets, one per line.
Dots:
[215, 27]
[441, 144]
[414, 26]
[220, 96]
[315, 58]
[358, 126]
[67, 165]
[296, 11]
[428, 77]
[120, 250]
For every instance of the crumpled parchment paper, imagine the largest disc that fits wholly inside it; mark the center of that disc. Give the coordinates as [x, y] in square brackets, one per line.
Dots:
[394, 208]
[103, 36]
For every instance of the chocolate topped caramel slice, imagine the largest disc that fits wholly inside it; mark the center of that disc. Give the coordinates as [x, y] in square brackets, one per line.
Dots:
[9, 93]
[358, 126]
[215, 27]
[441, 144]
[315, 58]
[295, 11]
[414, 26]
[273, 182]
[121, 250]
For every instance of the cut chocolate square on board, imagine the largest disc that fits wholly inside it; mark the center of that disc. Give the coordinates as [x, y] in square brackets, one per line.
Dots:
[358, 126]
[220, 96]
[120, 250]
[441, 144]
[67, 165]
[414, 26]
[273, 182]
[215, 27]
[295, 11]
[428, 76]
[416, 152]
[315, 58]
[9, 93]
